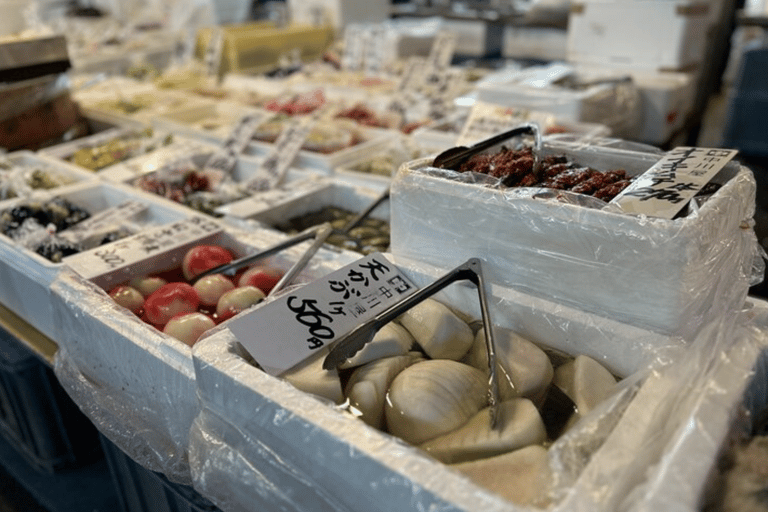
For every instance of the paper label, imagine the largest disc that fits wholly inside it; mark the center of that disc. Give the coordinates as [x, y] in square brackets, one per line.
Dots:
[441, 52]
[213, 52]
[412, 74]
[375, 50]
[104, 220]
[225, 158]
[260, 203]
[272, 170]
[114, 262]
[664, 189]
[486, 120]
[354, 48]
[281, 334]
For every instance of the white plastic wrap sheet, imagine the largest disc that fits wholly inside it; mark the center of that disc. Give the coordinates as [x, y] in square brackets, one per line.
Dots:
[258, 442]
[668, 276]
[135, 383]
[666, 457]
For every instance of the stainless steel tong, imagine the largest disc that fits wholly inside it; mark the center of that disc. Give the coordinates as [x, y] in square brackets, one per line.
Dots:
[350, 344]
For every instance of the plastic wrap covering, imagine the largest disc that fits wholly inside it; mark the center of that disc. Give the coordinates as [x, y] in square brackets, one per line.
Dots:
[134, 382]
[667, 276]
[666, 454]
[609, 98]
[258, 442]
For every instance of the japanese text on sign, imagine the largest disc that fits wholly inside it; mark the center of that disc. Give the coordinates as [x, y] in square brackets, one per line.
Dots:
[283, 333]
[664, 189]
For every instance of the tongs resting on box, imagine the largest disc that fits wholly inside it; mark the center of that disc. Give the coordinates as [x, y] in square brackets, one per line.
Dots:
[454, 157]
[350, 344]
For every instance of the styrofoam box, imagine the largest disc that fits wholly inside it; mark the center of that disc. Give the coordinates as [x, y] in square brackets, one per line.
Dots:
[666, 100]
[66, 151]
[646, 34]
[72, 173]
[662, 275]
[134, 382]
[212, 122]
[373, 140]
[258, 441]
[543, 43]
[26, 276]
[615, 105]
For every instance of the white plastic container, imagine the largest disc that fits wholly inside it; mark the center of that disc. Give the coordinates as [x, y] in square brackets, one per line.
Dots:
[652, 273]
[134, 382]
[541, 43]
[26, 276]
[644, 34]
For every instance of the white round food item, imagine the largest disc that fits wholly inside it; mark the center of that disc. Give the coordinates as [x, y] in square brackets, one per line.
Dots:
[237, 300]
[391, 340]
[310, 377]
[433, 397]
[524, 365]
[521, 476]
[148, 284]
[520, 425]
[211, 287]
[188, 328]
[367, 386]
[585, 381]
[438, 330]
[128, 297]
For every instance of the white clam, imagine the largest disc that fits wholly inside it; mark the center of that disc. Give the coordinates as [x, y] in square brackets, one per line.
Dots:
[367, 386]
[391, 340]
[433, 397]
[521, 476]
[438, 330]
[585, 381]
[519, 425]
[524, 365]
[311, 377]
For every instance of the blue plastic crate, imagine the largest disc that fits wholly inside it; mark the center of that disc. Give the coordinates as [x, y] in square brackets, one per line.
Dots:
[142, 490]
[752, 77]
[745, 123]
[36, 415]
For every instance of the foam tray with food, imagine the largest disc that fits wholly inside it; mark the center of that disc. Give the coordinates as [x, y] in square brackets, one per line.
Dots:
[27, 274]
[667, 276]
[110, 147]
[261, 440]
[177, 173]
[337, 203]
[25, 174]
[212, 122]
[131, 375]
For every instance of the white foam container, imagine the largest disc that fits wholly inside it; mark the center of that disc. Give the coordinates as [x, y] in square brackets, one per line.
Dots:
[224, 115]
[258, 441]
[134, 382]
[660, 275]
[26, 276]
[39, 160]
[66, 151]
[542, 43]
[618, 32]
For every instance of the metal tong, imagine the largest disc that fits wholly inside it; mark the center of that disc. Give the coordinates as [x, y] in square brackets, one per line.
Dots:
[454, 157]
[320, 233]
[351, 343]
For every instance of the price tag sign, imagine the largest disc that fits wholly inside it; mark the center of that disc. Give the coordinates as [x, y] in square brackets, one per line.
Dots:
[354, 48]
[664, 189]
[272, 171]
[486, 120]
[260, 203]
[224, 160]
[213, 52]
[375, 48]
[103, 221]
[281, 334]
[160, 248]
[441, 52]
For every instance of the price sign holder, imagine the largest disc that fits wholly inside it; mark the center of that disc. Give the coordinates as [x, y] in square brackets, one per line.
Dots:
[664, 189]
[224, 159]
[288, 330]
[103, 221]
[119, 261]
[214, 51]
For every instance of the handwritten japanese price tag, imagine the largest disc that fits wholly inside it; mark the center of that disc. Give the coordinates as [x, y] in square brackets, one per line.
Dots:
[283, 333]
[151, 249]
[224, 160]
[664, 189]
[213, 52]
[486, 120]
[272, 171]
[354, 48]
[105, 220]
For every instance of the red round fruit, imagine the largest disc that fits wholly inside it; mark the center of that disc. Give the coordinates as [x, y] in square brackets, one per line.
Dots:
[188, 328]
[263, 278]
[202, 258]
[128, 297]
[170, 300]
